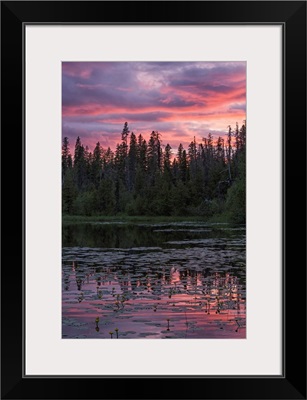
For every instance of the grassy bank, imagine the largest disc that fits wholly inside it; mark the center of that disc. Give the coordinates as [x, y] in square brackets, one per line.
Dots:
[77, 219]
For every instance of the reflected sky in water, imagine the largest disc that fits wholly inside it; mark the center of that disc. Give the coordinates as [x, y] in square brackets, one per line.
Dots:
[178, 280]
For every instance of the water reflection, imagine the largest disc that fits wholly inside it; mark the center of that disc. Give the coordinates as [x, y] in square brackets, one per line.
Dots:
[114, 292]
[183, 291]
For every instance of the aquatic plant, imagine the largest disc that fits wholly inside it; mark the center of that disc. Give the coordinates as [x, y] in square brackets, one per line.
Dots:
[239, 326]
[196, 278]
[167, 324]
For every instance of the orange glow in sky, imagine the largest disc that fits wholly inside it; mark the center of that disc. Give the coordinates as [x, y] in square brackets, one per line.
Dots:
[179, 99]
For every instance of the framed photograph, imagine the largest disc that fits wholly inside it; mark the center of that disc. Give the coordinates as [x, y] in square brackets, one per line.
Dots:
[160, 152]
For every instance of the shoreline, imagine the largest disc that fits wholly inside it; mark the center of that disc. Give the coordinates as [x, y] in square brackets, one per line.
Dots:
[77, 219]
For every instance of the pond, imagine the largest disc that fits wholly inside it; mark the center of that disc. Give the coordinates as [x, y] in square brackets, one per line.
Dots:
[153, 280]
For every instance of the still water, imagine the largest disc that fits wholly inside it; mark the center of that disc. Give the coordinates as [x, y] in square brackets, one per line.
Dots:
[153, 280]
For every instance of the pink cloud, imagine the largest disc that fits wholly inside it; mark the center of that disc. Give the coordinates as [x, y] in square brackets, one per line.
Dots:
[181, 100]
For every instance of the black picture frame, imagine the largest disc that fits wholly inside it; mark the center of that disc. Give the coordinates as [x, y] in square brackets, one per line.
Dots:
[292, 16]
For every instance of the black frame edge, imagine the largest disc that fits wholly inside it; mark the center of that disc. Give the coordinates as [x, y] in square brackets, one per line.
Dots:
[293, 385]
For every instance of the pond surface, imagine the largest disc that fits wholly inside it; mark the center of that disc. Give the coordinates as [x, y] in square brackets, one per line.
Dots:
[150, 280]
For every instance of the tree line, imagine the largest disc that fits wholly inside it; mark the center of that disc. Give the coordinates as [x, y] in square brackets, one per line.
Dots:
[147, 178]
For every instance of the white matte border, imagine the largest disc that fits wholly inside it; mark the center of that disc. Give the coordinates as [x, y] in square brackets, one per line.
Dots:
[45, 352]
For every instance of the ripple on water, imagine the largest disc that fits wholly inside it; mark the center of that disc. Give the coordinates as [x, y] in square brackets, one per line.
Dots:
[197, 282]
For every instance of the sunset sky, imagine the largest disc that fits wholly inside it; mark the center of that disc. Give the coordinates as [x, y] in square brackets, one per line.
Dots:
[179, 99]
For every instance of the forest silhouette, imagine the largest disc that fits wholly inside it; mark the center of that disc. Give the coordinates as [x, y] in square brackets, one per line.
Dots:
[148, 178]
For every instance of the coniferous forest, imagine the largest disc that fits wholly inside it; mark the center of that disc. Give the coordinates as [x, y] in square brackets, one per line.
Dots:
[145, 177]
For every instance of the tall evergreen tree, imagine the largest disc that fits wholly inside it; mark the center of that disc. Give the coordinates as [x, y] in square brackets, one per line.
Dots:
[79, 165]
[142, 153]
[192, 157]
[154, 156]
[97, 164]
[132, 161]
[229, 152]
[167, 158]
[66, 158]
